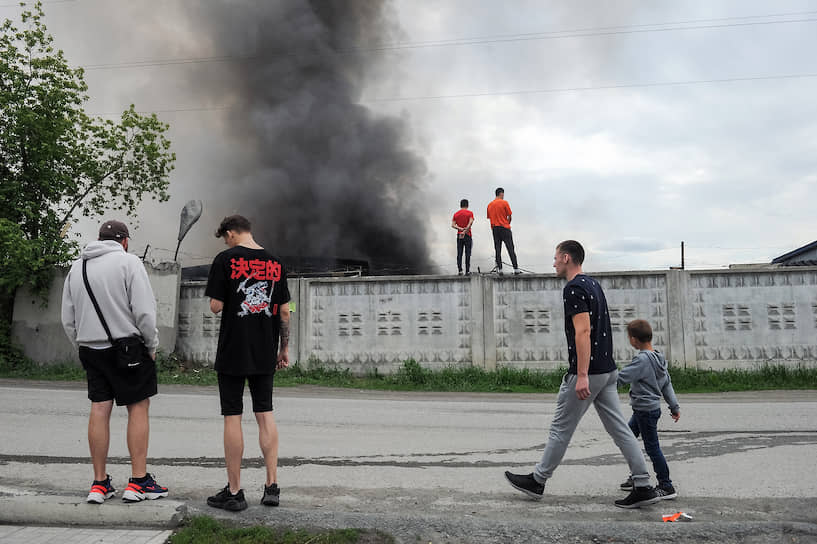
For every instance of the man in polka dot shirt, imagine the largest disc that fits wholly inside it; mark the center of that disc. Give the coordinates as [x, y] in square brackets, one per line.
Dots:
[590, 379]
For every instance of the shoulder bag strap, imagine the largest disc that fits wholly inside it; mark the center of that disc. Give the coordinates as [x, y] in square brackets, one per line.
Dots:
[93, 300]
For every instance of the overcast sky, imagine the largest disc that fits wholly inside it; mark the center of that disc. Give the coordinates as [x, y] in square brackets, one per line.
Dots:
[568, 105]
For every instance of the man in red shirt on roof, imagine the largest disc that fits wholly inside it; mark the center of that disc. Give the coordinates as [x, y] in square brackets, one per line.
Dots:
[462, 222]
[499, 212]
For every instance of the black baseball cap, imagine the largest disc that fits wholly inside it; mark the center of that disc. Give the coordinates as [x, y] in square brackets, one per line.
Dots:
[113, 230]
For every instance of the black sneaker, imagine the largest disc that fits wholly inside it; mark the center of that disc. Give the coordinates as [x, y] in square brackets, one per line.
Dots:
[666, 492]
[272, 495]
[526, 484]
[227, 501]
[638, 497]
[101, 491]
[627, 484]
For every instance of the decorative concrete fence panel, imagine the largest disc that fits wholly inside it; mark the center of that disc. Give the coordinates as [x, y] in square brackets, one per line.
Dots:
[377, 323]
[637, 296]
[747, 318]
[528, 317]
[198, 326]
[37, 324]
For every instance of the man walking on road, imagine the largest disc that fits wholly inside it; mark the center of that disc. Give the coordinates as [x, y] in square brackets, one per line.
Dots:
[248, 286]
[590, 379]
[499, 213]
[108, 277]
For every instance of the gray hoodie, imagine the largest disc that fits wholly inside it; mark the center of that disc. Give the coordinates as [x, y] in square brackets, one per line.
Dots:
[122, 289]
[649, 380]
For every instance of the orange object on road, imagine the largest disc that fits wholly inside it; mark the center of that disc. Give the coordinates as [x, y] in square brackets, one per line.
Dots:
[678, 516]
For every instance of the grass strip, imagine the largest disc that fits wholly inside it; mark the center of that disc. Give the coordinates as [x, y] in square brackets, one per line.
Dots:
[411, 376]
[206, 530]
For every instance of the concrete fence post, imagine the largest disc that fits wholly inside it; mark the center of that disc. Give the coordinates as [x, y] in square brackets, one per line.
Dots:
[675, 318]
[681, 345]
[488, 332]
[304, 311]
[478, 344]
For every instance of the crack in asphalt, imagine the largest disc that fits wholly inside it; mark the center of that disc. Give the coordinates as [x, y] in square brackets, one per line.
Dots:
[682, 447]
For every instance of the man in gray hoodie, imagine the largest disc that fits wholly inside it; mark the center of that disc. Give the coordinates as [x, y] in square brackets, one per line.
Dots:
[648, 376]
[120, 285]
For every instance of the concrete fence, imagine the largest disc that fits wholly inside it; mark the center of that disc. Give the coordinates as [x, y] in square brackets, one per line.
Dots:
[706, 319]
[37, 326]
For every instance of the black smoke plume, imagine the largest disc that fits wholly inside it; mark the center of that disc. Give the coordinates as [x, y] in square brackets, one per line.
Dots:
[318, 174]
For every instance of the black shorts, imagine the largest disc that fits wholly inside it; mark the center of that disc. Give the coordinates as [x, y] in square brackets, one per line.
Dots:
[231, 392]
[106, 381]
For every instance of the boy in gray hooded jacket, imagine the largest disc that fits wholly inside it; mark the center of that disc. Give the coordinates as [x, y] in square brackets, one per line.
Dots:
[648, 376]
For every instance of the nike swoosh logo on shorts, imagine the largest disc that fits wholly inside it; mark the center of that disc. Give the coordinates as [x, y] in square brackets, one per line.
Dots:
[134, 364]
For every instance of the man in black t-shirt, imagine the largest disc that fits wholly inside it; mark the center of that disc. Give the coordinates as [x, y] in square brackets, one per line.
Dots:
[248, 286]
[590, 379]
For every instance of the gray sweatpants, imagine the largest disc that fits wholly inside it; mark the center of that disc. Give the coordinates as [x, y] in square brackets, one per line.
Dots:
[569, 411]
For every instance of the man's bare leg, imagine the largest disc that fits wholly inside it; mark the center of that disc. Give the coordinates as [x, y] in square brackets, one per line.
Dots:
[99, 436]
[268, 440]
[233, 451]
[138, 435]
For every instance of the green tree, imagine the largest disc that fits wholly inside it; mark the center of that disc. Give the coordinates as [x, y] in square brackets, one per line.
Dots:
[56, 162]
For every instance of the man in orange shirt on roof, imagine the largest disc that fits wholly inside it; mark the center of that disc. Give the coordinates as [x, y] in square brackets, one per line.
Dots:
[499, 213]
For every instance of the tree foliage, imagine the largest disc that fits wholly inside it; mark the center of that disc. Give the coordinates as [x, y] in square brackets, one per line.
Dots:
[56, 162]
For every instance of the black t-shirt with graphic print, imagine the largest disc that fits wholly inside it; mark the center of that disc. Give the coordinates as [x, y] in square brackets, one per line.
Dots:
[583, 294]
[252, 284]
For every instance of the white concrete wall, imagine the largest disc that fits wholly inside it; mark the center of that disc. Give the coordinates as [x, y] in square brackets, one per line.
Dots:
[198, 327]
[708, 319]
[368, 323]
[740, 319]
[37, 328]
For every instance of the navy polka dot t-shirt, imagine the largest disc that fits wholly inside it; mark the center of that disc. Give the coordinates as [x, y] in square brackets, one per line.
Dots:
[583, 294]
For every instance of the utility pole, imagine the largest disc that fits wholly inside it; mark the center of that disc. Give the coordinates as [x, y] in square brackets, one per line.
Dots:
[682, 259]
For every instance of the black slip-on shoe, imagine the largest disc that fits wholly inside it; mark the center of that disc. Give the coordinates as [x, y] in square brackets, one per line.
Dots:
[638, 497]
[227, 501]
[666, 492]
[526, 484]
[272, 495]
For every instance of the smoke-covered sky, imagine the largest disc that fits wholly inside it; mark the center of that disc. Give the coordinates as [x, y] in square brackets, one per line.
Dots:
[629, 126]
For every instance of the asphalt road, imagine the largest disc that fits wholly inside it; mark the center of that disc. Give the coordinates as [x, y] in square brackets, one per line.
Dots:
[428, 467]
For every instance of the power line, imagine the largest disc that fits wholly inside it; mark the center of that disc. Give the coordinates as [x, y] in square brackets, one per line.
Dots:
[778, 248]
[172, 110]
[168, 62]
[511, 93]
[590, 88]
[626, 252]
[576, 33]
[617, 27]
